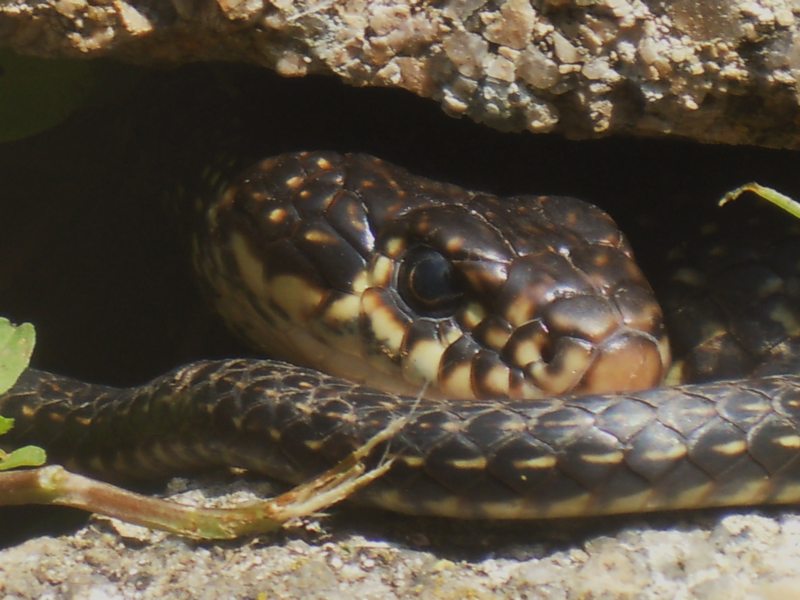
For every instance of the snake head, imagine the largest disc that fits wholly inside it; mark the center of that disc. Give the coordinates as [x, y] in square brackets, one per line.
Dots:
[355, 266]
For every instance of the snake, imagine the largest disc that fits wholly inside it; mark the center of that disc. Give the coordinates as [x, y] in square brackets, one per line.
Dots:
[516, 336]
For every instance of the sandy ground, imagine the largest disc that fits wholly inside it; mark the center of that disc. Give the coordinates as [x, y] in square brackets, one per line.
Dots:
[358, 553]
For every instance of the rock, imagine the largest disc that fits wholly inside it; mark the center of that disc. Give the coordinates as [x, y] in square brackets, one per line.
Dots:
[704, 69]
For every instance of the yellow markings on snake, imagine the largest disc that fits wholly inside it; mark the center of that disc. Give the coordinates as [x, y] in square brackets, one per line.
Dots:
[670, 454]
[313, 445]
[760, 407]
[277, 215]
[664, 350]
[574, 506]
[251, 268]
[447, 506]
[450, 334]
[548, 461]
[237, 308]
[473, 314]
[469, 464]
[732, 448]
[317, 236]
[415, 462]
[520, 310]
[344, 310]
[360, 282]
[324, 164]
[455, 244]
[392, 499]
[356, 222]
[511, 509]
[700, 410]
[526, 389]
[386, 328]
[789, 493]
[344, 418]
[496, 337]
[748, 492]
[395, 246]
[295, 296]
[294, 182]
[629, 504]
[497, 380]
[607, 458]
[381, 273]
[574, 361]
[458, 381]
[788, 441]
[526, 353]
[448, 426]
[690, 497]
[422, 361]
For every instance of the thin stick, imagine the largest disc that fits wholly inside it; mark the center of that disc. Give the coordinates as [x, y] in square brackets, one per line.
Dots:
[55, 485]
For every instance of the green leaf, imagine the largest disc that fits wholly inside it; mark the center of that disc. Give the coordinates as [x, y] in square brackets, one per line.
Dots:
[16, 347]
[27, 456]
[5, 425]
[767, 193]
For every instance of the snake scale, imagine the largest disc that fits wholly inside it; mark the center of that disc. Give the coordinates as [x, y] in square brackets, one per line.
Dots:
[517, 336]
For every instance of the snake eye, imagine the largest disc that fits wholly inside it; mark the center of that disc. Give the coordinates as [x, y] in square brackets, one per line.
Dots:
[428, 283]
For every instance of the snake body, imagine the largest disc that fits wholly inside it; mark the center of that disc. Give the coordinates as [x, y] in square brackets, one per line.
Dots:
[525, 320]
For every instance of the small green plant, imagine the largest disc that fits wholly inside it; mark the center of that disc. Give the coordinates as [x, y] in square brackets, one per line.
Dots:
[767, 193]
[16, 346]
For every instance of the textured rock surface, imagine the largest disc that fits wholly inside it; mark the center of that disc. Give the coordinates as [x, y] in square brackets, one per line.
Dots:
[712, 70]
[372, 556]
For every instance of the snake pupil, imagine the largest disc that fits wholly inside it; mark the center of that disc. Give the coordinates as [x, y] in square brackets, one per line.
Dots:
[428, 283]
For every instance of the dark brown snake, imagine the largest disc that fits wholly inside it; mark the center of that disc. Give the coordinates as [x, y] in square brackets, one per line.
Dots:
[525, 320]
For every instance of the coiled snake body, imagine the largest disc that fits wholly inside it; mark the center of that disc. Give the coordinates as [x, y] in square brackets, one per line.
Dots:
[534, 336]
